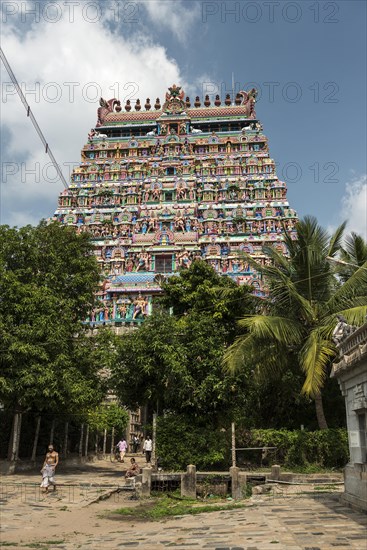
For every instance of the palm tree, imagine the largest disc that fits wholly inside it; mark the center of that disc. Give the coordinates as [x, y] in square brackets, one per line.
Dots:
[299, 315]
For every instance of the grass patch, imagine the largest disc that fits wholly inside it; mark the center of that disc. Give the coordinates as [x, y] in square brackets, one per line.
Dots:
[166, 506]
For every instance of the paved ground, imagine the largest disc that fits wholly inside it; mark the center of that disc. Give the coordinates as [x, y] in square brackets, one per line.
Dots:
[69, 520]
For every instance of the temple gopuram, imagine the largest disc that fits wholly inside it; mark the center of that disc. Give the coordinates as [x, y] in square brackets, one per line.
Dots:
[163, 185]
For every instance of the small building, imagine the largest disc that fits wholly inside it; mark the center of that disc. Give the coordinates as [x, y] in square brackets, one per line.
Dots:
[351, 372]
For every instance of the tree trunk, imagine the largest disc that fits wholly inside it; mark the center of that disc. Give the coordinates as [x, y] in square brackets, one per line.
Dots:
[17, 438]
[86, 441]
[96, 446]
[104, 442]
[320, 412]
[14, 440]
[36, 435]
[81, 441]
[65, 449]
[113, 441]
[52, 432]
[11, 438]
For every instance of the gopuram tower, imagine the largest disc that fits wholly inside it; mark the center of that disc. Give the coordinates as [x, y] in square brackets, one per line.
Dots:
[161, 186]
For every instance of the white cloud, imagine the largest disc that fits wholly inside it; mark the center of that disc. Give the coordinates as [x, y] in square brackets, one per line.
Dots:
[55, 54]
[176, 16]
[354, 205]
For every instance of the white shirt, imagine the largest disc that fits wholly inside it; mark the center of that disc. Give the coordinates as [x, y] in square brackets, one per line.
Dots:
[148, 445]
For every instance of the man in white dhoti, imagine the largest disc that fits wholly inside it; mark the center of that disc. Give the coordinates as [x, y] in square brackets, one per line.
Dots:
[48, 469]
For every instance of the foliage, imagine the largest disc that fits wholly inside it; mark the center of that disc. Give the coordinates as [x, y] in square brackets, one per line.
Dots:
[175, 360]
[108, 416]
[354, 253]
[197, 289]
[300, 314]
[183, 440]
[48, 279]
[276, 402]
[324, 448]
[177, 363]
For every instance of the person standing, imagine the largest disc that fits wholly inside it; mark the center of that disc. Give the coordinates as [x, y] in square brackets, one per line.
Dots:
[48, 469]
[136, 442]
[122, 447]
[147, 448]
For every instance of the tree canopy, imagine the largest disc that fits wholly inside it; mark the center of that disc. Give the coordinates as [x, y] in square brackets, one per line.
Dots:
[175, 360]
[48, 280]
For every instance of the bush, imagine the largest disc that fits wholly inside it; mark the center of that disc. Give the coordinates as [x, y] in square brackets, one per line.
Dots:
[325, 448]
[182, 441]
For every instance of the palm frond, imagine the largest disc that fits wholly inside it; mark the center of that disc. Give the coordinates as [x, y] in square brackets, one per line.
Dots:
[286, 294]
[315, 357]
[355, 315]
[273, 328]
[354, 286]
[271, 361]
[279, 259]
[354, 249]
[336, 239]
[235, 356]
[267, 359]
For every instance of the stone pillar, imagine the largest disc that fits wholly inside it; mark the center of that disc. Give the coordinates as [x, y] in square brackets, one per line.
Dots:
[275, 472]
[236, 486]
[188, 482]
[146, 482]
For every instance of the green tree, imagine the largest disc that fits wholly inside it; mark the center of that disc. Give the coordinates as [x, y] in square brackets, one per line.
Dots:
[197, 289]
[48, 280]
[176, 362]
[297, 319]
[107, 416]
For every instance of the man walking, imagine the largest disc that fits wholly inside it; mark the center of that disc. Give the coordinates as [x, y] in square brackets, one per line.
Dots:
[147, 448]
[122, 447]
[48, 469]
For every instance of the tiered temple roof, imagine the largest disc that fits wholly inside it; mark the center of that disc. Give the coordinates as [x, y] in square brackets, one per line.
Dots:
[160, 187]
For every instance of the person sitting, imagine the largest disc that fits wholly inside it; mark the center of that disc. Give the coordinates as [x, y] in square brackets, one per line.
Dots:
[134, 469]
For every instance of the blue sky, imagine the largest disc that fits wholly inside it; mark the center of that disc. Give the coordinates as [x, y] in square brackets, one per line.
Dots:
[306, 58]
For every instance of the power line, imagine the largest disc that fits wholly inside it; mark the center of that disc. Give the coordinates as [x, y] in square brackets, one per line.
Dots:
[32, 117]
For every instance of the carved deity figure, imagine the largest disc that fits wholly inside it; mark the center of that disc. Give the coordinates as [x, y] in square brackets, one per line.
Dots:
[143, 261]
[156, 192]
[342, 330]
[140, 306]
[183, 259]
